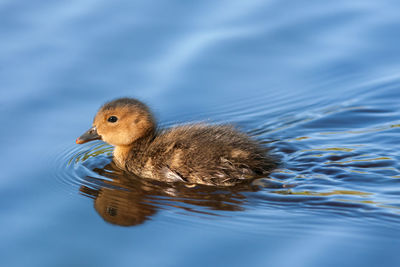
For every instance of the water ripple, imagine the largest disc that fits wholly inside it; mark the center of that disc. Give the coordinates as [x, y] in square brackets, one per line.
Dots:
[75, 164]
[340, 159]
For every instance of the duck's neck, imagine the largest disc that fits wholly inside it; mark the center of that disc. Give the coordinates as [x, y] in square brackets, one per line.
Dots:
[122, 153]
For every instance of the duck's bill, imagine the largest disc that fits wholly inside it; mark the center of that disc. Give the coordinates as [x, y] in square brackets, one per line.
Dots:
[90, 135]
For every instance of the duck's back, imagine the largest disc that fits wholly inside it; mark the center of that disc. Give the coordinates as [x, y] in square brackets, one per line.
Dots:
[214, 155]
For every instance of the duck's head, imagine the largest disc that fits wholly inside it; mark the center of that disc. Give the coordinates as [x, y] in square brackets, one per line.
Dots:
[120, 123]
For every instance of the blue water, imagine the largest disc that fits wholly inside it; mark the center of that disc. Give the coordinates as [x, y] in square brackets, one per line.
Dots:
[317, 82]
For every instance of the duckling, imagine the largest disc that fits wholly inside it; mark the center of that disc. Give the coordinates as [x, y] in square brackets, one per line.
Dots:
[217, 155]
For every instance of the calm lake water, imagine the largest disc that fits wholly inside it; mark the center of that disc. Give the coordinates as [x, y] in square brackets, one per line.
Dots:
[317, 82]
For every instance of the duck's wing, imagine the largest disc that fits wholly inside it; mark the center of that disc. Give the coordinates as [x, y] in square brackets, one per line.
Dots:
[171, 176]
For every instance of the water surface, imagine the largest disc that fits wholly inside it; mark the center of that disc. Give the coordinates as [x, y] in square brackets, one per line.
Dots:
[317, 83]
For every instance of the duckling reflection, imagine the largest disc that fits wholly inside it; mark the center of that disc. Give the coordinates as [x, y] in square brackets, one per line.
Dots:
[128, 200]
[120, 207]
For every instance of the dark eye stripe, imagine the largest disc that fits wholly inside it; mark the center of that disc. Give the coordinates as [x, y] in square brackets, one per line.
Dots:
[112, 119]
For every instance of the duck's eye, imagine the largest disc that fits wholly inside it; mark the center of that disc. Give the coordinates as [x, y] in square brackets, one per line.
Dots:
[112, 119]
